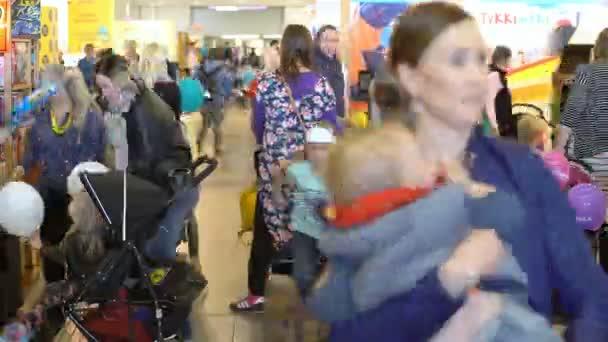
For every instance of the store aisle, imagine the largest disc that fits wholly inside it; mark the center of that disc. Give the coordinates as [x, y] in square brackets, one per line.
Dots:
[223, 256]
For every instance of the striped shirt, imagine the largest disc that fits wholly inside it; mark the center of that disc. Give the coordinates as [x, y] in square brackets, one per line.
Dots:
[586, 111]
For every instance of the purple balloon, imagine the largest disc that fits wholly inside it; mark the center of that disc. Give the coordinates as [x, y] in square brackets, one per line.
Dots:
[589, 202]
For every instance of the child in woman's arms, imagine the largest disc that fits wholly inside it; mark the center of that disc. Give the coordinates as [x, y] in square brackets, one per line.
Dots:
[399, 216]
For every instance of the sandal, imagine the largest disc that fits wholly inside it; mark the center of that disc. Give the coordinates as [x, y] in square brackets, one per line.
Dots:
[253, 304]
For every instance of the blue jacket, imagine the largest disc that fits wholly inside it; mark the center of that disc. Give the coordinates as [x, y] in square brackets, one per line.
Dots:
[553, 253]
[88, 70]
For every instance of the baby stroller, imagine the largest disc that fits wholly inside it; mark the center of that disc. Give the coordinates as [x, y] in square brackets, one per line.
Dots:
[128, 297]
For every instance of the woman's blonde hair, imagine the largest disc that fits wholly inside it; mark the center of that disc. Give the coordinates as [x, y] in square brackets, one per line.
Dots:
[600, 49]
[87, 228]
[73, 82]
[153, 64]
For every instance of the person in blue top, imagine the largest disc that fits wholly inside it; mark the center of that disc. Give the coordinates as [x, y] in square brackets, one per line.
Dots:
[192, 99]
[439, 58]
[87, 65]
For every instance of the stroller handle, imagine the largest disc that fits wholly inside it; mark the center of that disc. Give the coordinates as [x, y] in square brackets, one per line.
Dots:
[212, 165]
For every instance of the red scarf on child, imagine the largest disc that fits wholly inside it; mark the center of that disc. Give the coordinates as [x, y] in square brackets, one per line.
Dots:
[369, 207]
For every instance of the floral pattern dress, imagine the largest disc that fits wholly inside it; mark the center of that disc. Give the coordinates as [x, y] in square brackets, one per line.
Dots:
[284, 134]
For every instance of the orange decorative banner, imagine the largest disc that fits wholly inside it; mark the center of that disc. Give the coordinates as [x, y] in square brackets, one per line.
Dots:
[5, 25]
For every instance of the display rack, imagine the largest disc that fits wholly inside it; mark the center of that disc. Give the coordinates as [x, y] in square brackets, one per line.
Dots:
[20, 73]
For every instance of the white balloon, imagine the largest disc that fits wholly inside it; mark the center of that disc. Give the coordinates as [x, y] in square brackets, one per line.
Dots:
[21, 209]
[74, 184]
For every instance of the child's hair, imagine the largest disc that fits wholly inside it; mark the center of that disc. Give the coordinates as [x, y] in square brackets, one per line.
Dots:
[87, 229]
[530, 128]
[368, 161]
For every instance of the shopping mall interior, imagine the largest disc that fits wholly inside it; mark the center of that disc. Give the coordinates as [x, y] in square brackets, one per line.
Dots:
[206, 170]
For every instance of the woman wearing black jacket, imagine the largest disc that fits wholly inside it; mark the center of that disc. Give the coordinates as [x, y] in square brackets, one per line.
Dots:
[498, 106]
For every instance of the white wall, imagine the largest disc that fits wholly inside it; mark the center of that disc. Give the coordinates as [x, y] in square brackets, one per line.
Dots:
[62, 20]
[299, 15]
[215, 23]
[328, 12]
[180, 14]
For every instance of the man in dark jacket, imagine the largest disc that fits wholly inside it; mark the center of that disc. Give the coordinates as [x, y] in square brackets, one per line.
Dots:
[156, 146]
[327, 63]
[156, 142]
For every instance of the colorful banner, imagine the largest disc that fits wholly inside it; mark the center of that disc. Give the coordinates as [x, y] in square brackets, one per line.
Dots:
[4, 25]
[90, 22]
[25, 18]
[49, 37]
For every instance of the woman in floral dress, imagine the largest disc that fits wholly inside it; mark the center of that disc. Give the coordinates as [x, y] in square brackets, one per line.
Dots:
[280, 130]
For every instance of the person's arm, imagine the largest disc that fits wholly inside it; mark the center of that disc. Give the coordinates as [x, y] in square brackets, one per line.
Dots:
[582, 284]
[257, 120]
[575, 105]
[328, 98]
[279, 125]
[419, 313]
[494, 88]
[32, 157]
[101, 138]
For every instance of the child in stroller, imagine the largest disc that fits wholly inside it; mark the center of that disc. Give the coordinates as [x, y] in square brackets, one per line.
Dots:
[128, 295]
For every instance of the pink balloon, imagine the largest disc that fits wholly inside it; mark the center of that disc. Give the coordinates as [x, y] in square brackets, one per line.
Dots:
[559, 167]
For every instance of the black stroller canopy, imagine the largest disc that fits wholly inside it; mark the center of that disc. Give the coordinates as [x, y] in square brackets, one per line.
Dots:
[146, 202]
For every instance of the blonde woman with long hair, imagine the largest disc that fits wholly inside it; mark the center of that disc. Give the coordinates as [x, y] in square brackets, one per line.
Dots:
[66, 131]
[155, 74]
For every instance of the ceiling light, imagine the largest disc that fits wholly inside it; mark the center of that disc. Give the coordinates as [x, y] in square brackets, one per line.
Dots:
[224, 8]
[237, 8]
[272, 36]
[240, 36]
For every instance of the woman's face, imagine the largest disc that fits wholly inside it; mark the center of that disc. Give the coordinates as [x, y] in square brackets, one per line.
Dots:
[450, 80]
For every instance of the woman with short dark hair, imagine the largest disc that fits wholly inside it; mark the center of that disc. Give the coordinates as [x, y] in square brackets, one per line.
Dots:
[498, 106]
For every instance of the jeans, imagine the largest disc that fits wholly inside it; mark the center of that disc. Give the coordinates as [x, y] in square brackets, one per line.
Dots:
[306, 256]
[162, 247]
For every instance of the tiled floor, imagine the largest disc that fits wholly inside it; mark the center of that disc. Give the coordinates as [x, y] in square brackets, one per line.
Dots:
[223, 255]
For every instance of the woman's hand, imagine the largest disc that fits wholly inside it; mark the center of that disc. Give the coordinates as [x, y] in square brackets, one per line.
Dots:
[476, 256]
[35, 240]
[278, 198]
[470, 319]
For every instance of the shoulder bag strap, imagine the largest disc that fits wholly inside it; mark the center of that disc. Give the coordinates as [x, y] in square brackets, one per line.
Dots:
[292, 101]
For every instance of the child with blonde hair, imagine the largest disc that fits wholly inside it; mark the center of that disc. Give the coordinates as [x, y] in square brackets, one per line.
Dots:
[399, 216]
[533, 132]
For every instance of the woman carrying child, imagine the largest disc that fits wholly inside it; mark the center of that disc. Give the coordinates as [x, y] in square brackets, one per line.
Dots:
[437, 56]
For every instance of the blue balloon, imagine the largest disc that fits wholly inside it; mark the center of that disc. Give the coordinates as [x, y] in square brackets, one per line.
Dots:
[379, 15]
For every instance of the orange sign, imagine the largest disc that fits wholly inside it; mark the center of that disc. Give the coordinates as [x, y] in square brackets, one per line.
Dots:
[5, 25]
